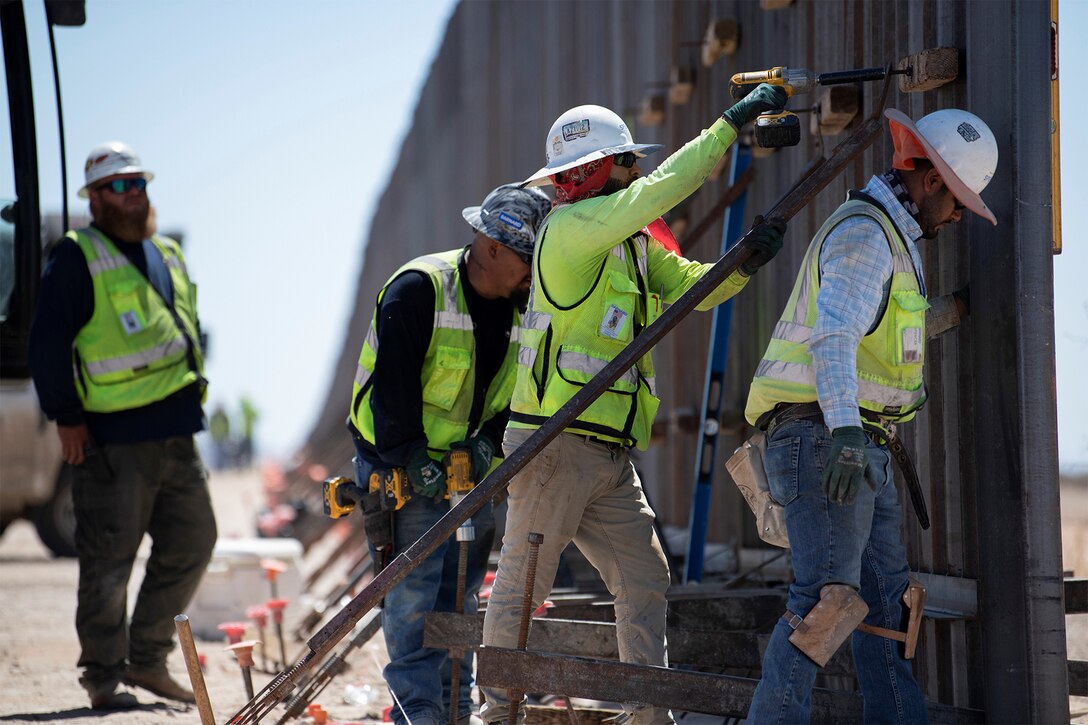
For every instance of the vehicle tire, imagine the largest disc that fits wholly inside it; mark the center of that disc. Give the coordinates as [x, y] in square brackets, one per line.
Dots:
[55, 519]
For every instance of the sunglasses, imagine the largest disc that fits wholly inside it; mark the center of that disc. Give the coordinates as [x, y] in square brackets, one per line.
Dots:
[627, 159]
[121, 186]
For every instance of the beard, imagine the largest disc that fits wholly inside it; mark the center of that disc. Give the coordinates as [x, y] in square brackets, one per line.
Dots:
[520, 299]
[929, 218]
[133, 224]
[612, 185]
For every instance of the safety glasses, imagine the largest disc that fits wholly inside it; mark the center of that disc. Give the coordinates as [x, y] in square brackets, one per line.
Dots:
[627, 159]
[121, 186]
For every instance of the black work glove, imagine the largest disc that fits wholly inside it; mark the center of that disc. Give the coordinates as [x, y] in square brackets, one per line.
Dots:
[765, 241]
[846, 468]
[764, 98]
[425, 474]
[482, 449]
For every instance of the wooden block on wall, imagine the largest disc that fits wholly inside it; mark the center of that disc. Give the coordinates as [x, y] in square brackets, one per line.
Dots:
[774, 4]
[681, 84]
[930, 69]
[837, 106]
[652, 110]
[722, 36]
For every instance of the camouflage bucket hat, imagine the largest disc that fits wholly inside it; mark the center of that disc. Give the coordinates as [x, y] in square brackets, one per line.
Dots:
[511, 215]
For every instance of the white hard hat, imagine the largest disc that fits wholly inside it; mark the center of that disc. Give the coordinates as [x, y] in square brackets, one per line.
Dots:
[962, 148]
[584, 134]
[110, 159]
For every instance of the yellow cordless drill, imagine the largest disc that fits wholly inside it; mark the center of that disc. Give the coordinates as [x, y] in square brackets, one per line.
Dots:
[777, 129]
[459, 483]
[387, 491]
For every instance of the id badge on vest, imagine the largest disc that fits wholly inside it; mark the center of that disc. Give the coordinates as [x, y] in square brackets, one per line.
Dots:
[131, 322]
[912, 345]
[613, 321]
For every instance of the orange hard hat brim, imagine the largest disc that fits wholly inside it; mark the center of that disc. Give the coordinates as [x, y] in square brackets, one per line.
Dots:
[910, 144]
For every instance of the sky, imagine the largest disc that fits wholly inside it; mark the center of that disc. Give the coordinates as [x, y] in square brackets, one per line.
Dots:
[272, 127]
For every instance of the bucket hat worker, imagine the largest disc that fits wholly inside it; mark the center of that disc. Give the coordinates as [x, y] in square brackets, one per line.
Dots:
[436, 373]
[844, 363]
[598, 280]
[117, 307]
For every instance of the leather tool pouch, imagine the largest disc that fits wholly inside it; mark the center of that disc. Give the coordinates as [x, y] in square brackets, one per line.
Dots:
[746, 468]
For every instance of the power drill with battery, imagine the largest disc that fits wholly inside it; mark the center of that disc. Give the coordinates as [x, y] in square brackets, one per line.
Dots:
[387, 491]
[778, 129]
[459, 483]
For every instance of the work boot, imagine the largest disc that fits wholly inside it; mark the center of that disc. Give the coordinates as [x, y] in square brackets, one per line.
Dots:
[104, 696]
[158, 681]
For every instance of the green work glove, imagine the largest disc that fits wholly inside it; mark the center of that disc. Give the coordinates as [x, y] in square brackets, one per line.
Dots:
[765, 241]
[482, 451]
[764, 98]
[425, 474]
[846, 468]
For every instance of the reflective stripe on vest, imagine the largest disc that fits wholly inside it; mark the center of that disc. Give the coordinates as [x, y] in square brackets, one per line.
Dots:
[448, 373]
[889, 357]
[132, 352]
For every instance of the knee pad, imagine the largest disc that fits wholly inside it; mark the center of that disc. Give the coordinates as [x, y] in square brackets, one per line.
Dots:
[820, 634]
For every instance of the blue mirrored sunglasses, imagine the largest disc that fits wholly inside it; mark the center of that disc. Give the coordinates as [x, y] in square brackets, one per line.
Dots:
[121, 186]
[627, 159]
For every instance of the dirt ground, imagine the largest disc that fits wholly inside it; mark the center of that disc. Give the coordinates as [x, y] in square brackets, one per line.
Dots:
[38, 647]
[39, 650]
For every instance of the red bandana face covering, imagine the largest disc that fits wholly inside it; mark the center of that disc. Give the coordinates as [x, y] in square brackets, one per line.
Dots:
[581, 182]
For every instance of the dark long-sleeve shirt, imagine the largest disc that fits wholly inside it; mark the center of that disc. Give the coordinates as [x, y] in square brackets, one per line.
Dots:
[405, 324]
[65, 305]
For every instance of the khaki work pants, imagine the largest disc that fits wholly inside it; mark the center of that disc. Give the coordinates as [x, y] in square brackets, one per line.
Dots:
[582, 491]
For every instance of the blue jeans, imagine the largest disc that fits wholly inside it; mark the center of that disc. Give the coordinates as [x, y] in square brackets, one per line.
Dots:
[857, 544]
[418, 676]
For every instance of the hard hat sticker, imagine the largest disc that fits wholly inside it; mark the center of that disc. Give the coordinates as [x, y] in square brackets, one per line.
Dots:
[511, 221]
[576, 129]
[968, 132]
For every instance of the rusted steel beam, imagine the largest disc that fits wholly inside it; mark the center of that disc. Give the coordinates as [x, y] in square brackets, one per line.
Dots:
[735, 609]
[707, 649]
[663, 687]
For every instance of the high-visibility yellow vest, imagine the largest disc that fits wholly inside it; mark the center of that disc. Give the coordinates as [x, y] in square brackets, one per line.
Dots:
[135, 350]
[564, 347]
[889, 358]
[449, 368]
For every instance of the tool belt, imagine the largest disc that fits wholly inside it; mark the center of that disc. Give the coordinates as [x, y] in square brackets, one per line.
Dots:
[881, 431]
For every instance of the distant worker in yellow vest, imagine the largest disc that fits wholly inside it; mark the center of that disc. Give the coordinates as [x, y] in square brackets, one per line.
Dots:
[844, 364]
[436, 373]
[116, 355]
[602, 273]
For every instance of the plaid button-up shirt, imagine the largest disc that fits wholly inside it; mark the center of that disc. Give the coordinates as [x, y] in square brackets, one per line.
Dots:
[855, 271]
